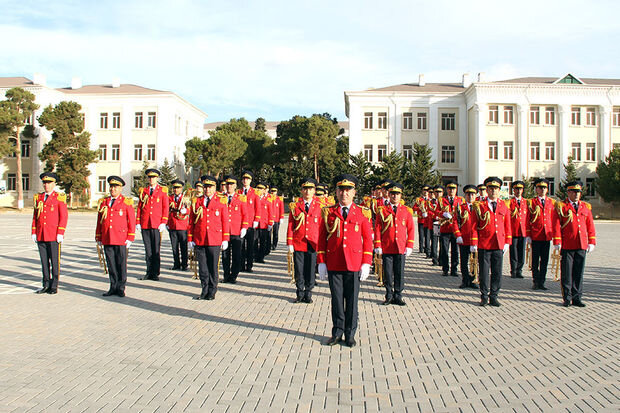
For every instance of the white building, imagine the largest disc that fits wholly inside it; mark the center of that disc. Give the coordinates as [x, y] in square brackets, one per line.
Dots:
[128, 124]
[515, 128]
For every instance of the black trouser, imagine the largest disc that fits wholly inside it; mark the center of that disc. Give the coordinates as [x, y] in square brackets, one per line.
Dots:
[178, 239]
[116, 257]
[448, 241]
[573, 264]
[48, 251]
[305, 263]
[264, 244]
[490, 260]
[247, 248]
[275, 230]
[231, 258]
[540, 260]
[393, 275]
[468, 279]
[267, 247]
[207, 258]
[421, 237]
[427, 242]
[517, 256]
[152, 244]
[434, 244]
[344, 287]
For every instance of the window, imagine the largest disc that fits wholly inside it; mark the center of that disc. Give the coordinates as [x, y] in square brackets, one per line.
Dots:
[11, 184]
[576, 151]
[493, 150]
[137, 152]
[493, 114]
[25, 149]
[447, 121]
[382, 120]
[26, 182]
[551, 186]
[616, 117]
[116, 152]
[381, 152]
[507, 181]
[448, 154]
[508, 150]
[590, 187]
[407, 121]
[101, 184]
[103, 152]
[138, 124]
[368, 152]
[135, 182]
[103, 120]
[535, 115]
[367, 120]
[535, 151]
[13, 143]
[421, 120]
[152, 120]
[591, 116]
[508, 115]
[116, 120]
[150, 153]
[549, 115]
[408, 152]
[549, 151]
[575, 116]
[591, 152]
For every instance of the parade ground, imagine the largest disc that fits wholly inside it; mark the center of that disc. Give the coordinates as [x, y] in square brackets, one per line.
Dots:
[252, 349]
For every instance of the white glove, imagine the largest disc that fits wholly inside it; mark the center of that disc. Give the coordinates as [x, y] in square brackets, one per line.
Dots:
[528, 240]
[506, 246]
[281, 219]
[128, 244]
[590, 248]
[255, 224]
[269, 227]
[447, 215]
[322, 271]
[243, 232]
[459, 240]
[224, 245]
[365, 272]
[34, 238]
[191, 245]
[408, 251]
[291, 248]
[59, 238]
[137, 227]
[167, 227]
[162, 227]
[424, 215]
[473, 248]
[99, 243]
[379, 251]
[183, 211]
[557, 247]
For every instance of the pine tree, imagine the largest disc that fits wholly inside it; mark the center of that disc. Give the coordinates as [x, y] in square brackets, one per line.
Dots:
[608, 181]
[142, 181]
[570, 171]
[422, 170]
[167, 174]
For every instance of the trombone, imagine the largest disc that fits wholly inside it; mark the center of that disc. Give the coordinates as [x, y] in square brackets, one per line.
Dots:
[473, 266]
[193, 265]
[101, 256]
[290, 266]
[379, 269]
[556, 259]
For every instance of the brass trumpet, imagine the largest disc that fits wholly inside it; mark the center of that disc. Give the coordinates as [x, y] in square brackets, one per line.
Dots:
[473, 265]
[193, 265]
[102, 261]
[556, 259]
[290, 266]
[379, 269]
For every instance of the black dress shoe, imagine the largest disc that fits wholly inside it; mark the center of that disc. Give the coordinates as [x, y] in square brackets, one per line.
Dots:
[399, 301]
[55, 291]
[333, 341]
[156, 278]
[493, 302]
[445, 274]
[224, 281]
[578, 303]
[233, 281]
[463, 285]
[249, 270]
[199, 297]
[184, 268]
[144, 277]
[308, 300]
[513, 276]
[175, 268]
[42, 290]
[298, 300]
[120, 293]
[542, 287]
[350, 342]
[566, 303]
[483, 302]
[387, 301]
[453, 274]
[535, 287]
[474, 286]
[108, 293]
[210, 297]
[519, 276]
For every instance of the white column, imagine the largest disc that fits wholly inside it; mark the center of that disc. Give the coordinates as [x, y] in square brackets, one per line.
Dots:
[521, 143]
[433, 131]
[480, 145]
[564, 112]
[355, 128]
[604, 148]
[462, 148]
[397, 128]
[127, 120]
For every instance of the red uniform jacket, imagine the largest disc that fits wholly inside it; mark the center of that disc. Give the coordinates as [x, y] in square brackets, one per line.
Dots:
[419, 207]
[573, 230]
[50, 217]
[237, 213]
[394, 231]
[464, 224]
[303, 228]
[491, 229]
[265, 206]
[252, 207]
[433, 208]
[345, 245]
[447, 225]
[209, 226]
[178, 220]
[115, 224]
[539, 219]
[152, 209]
[518, 217]
[278, 208]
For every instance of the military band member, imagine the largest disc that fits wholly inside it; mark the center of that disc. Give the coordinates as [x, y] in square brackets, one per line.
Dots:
[222, 186]
[539, 232]
[116, 231]
[518, 222]
[209, 231]
[320, 192]
[482, 193]
[49, 221]
[278, 213]
[265, 223]
[198, 189]
[151, 219]
[344, 255]
[394, 232]
[574, 234]
[419, 207]
[302, 238]
[434, 211]
[178, 221]
[448, 205]
[232, 258]
[250, 239]
[493, 235]
[464, 232]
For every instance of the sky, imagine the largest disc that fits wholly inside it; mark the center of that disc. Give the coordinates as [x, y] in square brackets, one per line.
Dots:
[276, 59]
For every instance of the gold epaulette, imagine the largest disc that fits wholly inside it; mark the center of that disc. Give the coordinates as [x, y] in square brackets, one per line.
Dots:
[101, 200]
[62, 197]
[243, 198]
[291, 206]
[507, 202]
[129, 201]
[410, 210]
[367, 212]
[402, 202]
[224, 199]
[588, 205]
[281, 198]
[164, 189]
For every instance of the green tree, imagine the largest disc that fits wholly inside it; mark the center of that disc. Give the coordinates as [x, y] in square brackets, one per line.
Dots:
[608, 181]
[570, 170]
[422, 170]
[142, 181]
[260, 125]
[167, 173]
[68, 152]
[528, 190]
[15, 112]
[362, 169]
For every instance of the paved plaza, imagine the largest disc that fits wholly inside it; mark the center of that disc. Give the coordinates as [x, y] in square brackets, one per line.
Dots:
[253, 350]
